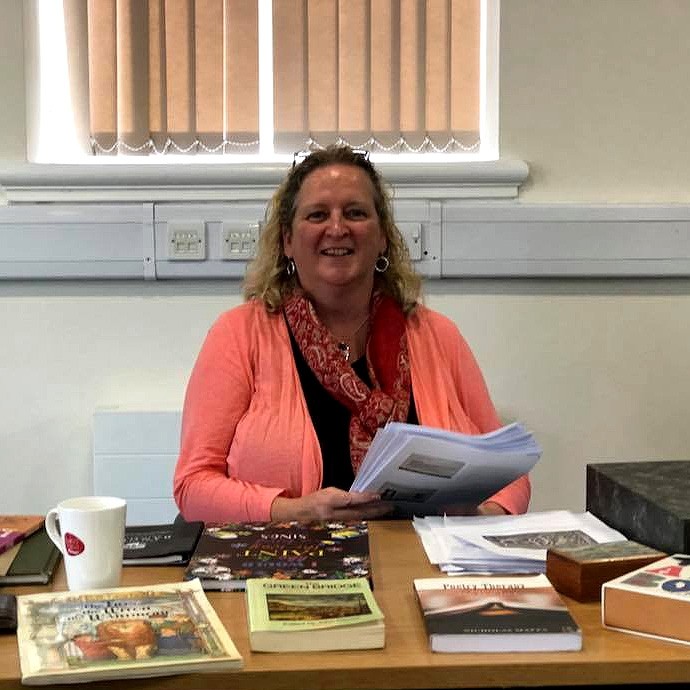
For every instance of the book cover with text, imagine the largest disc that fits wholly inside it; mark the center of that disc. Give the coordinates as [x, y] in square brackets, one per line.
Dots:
[496, 614]
[228, 554]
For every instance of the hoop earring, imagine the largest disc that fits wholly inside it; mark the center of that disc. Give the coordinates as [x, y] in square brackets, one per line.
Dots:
[290, 267]
[382, 263]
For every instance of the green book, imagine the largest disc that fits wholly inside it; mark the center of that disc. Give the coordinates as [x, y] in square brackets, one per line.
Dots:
[312, 615]
[34, 563]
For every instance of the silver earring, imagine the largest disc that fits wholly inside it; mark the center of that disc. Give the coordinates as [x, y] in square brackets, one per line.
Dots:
[382, 263]
[290, 267]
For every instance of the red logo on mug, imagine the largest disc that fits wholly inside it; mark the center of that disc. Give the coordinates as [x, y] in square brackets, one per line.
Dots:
[73, 544]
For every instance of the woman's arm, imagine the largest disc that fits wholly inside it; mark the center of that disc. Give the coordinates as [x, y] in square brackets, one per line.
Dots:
[218, 396]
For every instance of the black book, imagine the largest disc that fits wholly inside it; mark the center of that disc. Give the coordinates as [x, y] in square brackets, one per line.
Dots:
[34, 562]
[171, 544]
[228, 554]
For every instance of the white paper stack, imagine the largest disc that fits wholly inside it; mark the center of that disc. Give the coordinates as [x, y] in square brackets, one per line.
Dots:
[422, 470]
[507, 543]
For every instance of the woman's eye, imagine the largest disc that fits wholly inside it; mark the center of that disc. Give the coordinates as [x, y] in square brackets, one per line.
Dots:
[316, 216]
[356, 213]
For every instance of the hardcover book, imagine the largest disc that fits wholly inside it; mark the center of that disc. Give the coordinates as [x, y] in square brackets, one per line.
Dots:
[313, 615]
[580, 571]
[14, 528]
[34, 561]
[653, 600]
[125, 632]
[521, 613]
[228, 554]
[171, 544]
[646, 501]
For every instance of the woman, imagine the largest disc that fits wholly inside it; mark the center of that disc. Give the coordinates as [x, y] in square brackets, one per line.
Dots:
[290, 387]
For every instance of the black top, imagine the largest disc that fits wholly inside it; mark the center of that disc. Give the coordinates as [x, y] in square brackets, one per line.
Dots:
[331, 420]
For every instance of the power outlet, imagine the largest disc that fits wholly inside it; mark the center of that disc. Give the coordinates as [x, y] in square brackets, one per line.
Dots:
[412, 232]
[187, 241]
[238, 241]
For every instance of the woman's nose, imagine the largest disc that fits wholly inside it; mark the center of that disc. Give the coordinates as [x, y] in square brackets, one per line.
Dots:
[337, 224]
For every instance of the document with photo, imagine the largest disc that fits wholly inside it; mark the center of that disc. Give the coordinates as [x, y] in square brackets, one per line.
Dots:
[421, 469]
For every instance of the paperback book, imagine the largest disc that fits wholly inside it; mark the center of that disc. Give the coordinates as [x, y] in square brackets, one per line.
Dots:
[14, 528]
[496, 614]
[421, 470]
[126, 632]
[171, 544]
[228, 554]
[32, 561]
[653, 600]
[313, 615]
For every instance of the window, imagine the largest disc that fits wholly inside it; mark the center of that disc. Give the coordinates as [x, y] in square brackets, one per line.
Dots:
[259, 79]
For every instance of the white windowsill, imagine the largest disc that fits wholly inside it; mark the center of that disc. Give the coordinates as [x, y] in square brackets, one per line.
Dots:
[34, 182]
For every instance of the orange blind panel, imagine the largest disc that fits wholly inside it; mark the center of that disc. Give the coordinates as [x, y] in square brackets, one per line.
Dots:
[179, 75]
[400, 74]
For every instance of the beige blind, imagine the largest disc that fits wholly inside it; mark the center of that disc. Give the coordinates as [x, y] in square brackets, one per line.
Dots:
[172, 75]
[398, 75]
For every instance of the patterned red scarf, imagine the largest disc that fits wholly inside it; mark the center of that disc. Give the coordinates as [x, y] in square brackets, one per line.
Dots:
[387, 363]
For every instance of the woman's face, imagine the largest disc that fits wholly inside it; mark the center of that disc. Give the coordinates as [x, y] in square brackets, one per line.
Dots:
[335, 236]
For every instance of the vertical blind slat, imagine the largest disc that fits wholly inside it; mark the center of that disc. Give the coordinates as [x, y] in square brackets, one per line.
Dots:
[385, 77]
[179, 71]
[158, 111]
[464, 58]
[353, 70]
[289, 74]
[132, 73]
[437, 106]
[242, 70]
[102, 44]
[208, 71]
[322, 54]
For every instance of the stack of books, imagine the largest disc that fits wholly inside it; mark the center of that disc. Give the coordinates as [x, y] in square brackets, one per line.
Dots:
[421, 469]
[30, 562]
[14, 528]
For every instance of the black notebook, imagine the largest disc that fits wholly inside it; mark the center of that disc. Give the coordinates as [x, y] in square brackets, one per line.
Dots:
[34, 561]
[171, 544]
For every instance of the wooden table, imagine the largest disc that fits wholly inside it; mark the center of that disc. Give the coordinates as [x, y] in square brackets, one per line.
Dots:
[607, 657]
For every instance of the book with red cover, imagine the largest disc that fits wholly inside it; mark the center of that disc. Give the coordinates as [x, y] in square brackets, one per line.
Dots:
[14, 528]
[229, 554]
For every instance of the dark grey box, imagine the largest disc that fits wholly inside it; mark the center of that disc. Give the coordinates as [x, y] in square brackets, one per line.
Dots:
[648, 502]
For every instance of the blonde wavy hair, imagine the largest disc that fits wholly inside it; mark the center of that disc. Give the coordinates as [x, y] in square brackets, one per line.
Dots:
[267, 277]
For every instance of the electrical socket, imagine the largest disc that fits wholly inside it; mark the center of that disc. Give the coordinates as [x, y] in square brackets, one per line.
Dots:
[238, 241]
[187, 241]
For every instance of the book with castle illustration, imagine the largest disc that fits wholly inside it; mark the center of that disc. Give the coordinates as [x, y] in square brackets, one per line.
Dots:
[313, 615]
[653, 600]
[521, 613]
[74, 637]
[229, 554]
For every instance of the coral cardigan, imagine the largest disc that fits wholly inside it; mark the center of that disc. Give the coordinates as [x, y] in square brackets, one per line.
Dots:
[247, 436]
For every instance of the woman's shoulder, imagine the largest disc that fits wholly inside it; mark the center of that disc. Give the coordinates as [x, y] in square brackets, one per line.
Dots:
[423, 318]
[251, 312]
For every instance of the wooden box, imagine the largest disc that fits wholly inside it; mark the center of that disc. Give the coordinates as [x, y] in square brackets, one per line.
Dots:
[579, 572]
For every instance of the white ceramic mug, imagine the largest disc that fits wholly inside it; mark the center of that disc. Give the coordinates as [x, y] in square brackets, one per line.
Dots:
[91, 537]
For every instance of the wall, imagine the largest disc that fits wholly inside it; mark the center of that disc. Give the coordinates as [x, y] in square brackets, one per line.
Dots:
[592, 98]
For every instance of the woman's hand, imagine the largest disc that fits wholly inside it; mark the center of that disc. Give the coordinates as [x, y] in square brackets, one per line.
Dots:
[329, 504]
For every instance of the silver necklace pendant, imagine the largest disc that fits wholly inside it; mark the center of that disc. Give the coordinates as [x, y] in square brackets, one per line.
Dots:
[345, 349]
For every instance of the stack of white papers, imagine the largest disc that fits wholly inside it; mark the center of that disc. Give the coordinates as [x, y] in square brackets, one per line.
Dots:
[507, 543]
[424, 470]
